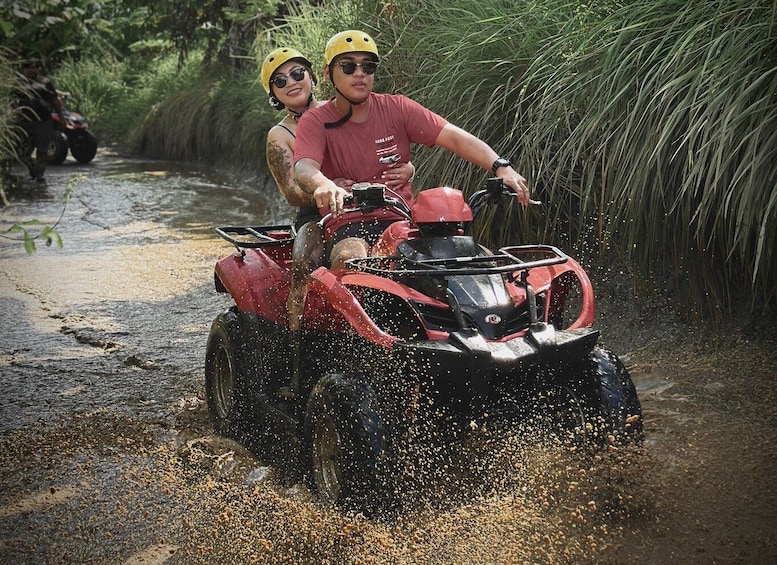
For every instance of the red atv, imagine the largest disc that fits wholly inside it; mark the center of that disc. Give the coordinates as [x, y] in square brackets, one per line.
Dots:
[431, 330]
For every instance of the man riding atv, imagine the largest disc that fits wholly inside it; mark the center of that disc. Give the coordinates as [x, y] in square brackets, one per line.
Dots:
[413, 326]
[360, 133]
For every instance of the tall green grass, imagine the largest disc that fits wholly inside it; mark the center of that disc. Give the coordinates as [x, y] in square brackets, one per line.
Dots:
[8, 78]
[666, 112]
[648, 129]
[101, 91]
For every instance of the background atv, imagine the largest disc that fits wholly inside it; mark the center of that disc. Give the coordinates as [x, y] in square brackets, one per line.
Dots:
[70, 132]
[431, 330]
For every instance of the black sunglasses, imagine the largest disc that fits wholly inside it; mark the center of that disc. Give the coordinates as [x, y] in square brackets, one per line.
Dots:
[349, 67]
[297, 73]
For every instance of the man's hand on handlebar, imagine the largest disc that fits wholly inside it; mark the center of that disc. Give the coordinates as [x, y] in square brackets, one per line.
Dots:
[330, 197]
[517, 183]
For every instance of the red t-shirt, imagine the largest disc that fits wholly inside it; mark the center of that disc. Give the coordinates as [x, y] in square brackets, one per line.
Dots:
[362, 151]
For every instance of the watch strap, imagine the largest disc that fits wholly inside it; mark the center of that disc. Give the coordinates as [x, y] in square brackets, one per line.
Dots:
[498, 164]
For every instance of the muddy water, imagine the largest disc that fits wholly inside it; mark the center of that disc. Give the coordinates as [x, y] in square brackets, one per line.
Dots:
[107, 455]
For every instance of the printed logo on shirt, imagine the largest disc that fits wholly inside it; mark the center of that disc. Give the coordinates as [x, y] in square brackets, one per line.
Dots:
[393, 158]
[387, 151]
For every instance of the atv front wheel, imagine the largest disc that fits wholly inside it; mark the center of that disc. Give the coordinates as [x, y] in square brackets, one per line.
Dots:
[345, 438]
[611, 403]
[56, 151]
[83, 146]
[224, 365]
[599, 403]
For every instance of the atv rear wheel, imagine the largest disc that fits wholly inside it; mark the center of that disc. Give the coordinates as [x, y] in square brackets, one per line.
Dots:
[224, 366]
[56, 150]
[345, 439]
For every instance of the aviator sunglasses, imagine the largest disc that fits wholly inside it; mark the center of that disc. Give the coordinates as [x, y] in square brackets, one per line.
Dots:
[349, 67]
[297, 73]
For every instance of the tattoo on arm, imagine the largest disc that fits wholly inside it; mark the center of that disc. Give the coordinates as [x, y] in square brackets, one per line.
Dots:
[280, 166]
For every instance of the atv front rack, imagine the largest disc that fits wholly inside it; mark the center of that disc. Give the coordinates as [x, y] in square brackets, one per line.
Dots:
[506, 260]
[247, 237]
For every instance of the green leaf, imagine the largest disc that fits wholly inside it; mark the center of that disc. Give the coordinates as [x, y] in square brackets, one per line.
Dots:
[51, 235]
[7, 28]
[29, 243]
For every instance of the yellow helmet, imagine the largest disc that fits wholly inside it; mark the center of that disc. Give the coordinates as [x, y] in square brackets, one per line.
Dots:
[275, 59]
[349, 42]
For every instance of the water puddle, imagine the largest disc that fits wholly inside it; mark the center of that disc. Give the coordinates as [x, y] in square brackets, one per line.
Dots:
[41, 501]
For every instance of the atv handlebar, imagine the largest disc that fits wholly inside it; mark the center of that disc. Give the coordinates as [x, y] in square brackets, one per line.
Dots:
[366, 197]
[494, 191]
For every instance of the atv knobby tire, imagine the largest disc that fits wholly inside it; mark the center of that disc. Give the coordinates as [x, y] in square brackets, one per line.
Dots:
[596, 405]
[608, 400]
[224, 375]
[56, 151]
[345, 440]
[83, 146]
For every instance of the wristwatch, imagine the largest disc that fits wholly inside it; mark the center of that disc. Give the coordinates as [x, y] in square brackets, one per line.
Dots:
[498, 164]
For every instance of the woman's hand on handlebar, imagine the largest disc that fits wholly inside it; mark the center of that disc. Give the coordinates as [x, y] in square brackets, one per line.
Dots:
[397, 175]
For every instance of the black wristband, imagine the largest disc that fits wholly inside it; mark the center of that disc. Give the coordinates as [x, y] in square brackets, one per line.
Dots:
[498, 164]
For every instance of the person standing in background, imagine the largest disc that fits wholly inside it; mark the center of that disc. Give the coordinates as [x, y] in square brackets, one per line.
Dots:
[34, 105]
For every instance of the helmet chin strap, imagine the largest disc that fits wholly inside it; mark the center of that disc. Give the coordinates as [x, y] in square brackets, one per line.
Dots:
[296, 115]
[348, 114]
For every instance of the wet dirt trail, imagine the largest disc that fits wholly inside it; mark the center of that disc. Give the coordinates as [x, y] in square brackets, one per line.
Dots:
[107, 455]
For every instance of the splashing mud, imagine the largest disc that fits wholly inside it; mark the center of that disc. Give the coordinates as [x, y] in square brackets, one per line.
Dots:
[107, 454]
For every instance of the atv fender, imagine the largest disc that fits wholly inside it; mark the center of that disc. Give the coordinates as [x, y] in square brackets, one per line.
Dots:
[257, 283]
[557, 281]
[332, 301]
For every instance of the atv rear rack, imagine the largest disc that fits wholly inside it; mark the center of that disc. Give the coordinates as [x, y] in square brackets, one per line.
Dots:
[257, 236]
[505, 261]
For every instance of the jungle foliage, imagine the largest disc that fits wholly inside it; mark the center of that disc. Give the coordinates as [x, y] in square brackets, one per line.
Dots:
[648, 129]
